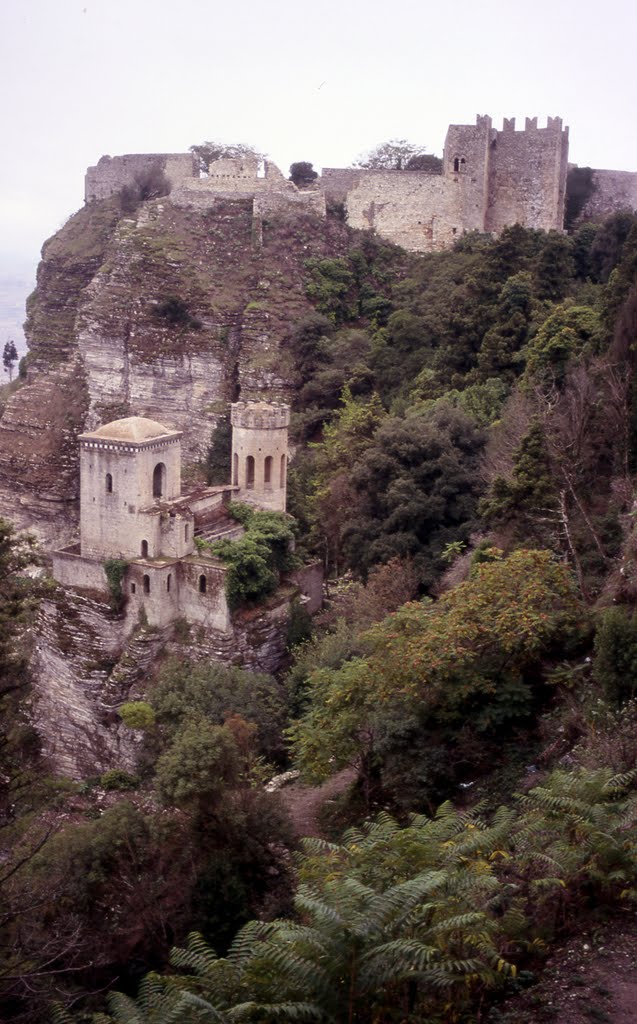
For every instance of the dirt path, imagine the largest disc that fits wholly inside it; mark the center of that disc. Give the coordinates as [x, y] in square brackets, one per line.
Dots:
[592, 979]
[303, 803]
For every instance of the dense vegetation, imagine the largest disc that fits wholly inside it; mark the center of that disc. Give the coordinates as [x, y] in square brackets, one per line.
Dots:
[466, 453]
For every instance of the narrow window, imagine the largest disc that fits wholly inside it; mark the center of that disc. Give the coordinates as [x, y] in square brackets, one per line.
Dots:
[282, 474]
[250, 471]
[462, 163]
[109, 483]
[203, 584]
[456, 165]
[267, 471]
[132, 588]
[168, 579]
[147, 584]
[144, 549]
[235, 470]
[186, 531]
[159, 480]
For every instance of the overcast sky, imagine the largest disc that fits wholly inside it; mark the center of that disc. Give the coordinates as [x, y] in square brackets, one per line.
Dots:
[319, 81]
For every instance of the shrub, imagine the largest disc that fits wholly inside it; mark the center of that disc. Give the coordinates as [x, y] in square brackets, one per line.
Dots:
[115, 569]
[615, 664]
[137, 714]
[117, 778]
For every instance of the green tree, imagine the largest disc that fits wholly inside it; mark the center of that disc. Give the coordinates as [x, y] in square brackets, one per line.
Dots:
[194, 771]
[9, 357]
[399, 155]
[302, 173]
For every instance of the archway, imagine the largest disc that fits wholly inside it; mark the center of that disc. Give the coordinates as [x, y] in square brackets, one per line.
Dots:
[203, 584]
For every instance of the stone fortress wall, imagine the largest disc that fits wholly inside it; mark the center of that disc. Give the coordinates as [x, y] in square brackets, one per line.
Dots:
[612, 190]
[490, 179]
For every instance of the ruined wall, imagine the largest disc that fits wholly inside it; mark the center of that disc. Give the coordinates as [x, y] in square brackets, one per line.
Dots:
[527, 176]
[113, 173]
[420, 212]
[613, 190]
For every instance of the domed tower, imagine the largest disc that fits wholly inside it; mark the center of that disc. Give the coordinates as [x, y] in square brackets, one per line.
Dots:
[127, 469]
[260, 453]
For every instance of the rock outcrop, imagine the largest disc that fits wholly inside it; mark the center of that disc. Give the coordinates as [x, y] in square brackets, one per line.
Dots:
[171, 313]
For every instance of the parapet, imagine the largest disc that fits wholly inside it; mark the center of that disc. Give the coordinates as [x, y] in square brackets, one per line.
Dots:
[260, 415]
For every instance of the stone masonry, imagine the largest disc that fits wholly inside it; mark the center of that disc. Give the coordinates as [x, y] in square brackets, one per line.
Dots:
[490, 179]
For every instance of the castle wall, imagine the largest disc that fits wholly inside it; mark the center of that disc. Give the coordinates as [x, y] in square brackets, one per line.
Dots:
[527, 176]
[613, 190]
[210, 608]
[421, 212]
[112, 173]
[72, 570]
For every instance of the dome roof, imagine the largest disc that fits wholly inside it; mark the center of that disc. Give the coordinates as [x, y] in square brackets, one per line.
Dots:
[132, 428]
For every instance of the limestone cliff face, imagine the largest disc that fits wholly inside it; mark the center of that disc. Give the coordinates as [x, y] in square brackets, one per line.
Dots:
[170, 313]
[87, 662]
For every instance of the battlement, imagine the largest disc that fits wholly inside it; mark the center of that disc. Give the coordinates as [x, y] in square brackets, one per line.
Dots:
[553, 124]
[260, 415]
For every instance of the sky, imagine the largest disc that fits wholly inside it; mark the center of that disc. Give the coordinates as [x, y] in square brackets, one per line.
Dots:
[322, 82]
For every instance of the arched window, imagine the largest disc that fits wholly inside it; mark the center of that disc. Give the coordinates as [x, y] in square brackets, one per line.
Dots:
[282, 474]
[109, 483]
[235, 469]
[203, 584]
[159, 480]
[144, 549]
[168, 581]
[250, 471]
[267, 471]
[147, 584]
[462, 163]
[456, 165]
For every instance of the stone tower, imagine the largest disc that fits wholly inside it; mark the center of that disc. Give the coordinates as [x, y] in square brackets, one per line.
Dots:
[260, 453]
[127, 468]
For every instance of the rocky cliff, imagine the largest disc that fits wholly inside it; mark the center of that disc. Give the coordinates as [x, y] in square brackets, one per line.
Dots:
[169, 312]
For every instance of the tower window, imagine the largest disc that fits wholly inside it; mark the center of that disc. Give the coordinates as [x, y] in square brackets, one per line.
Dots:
[146, 584]
[109, 483]
[168, 582]
[267, 471]
[186, 532]
[144, 549]
[250, 471]
[282, 473]
[133, 588]
[203, 584]
[456, 165]
[235, 469]
[159, 480]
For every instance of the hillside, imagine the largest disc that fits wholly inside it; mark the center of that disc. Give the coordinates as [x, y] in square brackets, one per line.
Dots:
[466, 453]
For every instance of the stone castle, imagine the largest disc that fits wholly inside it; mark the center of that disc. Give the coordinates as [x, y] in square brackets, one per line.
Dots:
[132, 508]
[490, 179]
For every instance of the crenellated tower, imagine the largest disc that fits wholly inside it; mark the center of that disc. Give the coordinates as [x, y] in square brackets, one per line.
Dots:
[260, 453]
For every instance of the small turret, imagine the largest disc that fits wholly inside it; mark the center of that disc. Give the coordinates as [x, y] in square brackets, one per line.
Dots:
[260, 453]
